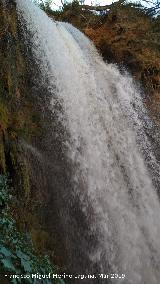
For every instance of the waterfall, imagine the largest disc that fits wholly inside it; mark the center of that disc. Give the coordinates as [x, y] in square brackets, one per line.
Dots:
[115, 220]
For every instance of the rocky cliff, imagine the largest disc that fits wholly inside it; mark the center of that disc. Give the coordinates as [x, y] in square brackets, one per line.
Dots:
[25, 119]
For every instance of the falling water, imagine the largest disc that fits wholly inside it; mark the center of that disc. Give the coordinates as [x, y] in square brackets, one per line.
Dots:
[107, 150]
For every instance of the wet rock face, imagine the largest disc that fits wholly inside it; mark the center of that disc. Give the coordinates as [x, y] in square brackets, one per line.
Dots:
[26, 130]
[31, 138]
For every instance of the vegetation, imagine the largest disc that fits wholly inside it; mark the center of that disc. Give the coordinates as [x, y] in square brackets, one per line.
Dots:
[45, 5]
[17, 254]
[150, 7]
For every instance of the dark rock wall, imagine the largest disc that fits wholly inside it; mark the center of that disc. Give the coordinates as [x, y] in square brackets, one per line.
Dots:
[27, 137]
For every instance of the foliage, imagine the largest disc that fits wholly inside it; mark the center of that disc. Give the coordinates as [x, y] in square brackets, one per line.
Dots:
[45, 5]
[152, 8]
[74, 4]
[17, 255]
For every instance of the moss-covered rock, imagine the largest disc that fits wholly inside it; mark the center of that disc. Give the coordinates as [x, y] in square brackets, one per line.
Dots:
[20, 125]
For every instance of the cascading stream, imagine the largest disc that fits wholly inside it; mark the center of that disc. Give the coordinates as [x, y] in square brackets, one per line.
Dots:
[104, 116]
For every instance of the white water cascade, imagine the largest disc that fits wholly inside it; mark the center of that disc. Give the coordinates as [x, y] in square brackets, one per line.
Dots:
[103, 114]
